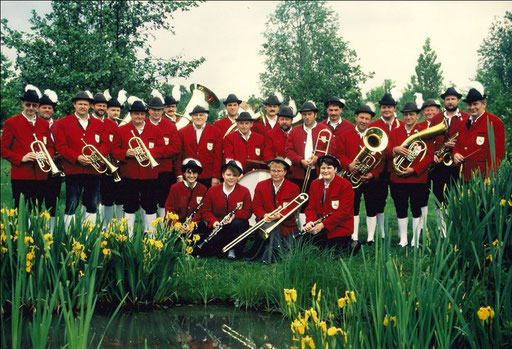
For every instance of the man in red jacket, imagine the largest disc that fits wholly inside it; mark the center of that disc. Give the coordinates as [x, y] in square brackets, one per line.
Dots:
[270, 194]
[379, 188]
[19, 132]
[334, 107]
[300, 146]
[232, 104]
[330, 195]
[348, 146]
[171, 105]
[409, 184]
[73, 133]
[203, 142]
[478, 152]
[269, 120]
[218, 202]
[244, 145]
[275, 139]
[139, 182]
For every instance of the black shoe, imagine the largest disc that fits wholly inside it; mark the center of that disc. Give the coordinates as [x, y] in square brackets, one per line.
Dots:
[369, 243]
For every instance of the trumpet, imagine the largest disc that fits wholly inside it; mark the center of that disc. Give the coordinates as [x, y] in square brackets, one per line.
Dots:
[416, 147]
[43, 158]
[300, 200]
[375, 141]
[325, 139]
[117, 178]
[98, 161]
[445, 153]
[142, 154]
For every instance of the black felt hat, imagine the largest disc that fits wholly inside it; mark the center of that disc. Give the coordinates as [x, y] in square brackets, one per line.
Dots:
[99, 98]
[113, 103]
[309, 106]
[430, 103]
[365, 109]
[473, 96]
[335, 101]
[199, 109]
[451, 92]
[138, 106]
[45, 100]
[387, 99]
[156, 103]
[272, 100]
[285, 112]
[244, 116]
[31, 94]
[82, 96]
[169, 100]
[193, 164]
[410, 106]
[232, 99]
[331, 158]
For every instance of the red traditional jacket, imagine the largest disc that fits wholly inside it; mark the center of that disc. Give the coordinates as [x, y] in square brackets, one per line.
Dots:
[420, 166]
[68, 142]
[249, 153]
[17, 136]
[454, 123]
[261, 128]
[348, 146]
[183, 200]
[217, 205]
[151, 137]
[295, 146]
[223, 125]
[344, 126]
[477, 140]
[172, 143]
[266, 200]
[208, 151]
[339, 198]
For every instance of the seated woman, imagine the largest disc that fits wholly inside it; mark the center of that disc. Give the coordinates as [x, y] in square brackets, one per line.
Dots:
[270, 194]
[219, 201]
[330, 195]
[184, 197]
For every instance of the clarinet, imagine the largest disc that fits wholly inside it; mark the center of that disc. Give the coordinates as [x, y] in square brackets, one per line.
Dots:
[188, 220]
[318, 221]
[221, 225]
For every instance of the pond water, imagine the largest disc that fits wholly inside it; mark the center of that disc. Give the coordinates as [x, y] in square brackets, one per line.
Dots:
[190, 327]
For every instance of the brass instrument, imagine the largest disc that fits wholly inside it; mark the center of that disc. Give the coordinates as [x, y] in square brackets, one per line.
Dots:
[142, 153]
[416, 147]
[445, 153]
[375, 141]
[300, 199]
[246, 107]
[117, 178]
[43, 158]
[327, 140]
[98, 161]
[200, 96]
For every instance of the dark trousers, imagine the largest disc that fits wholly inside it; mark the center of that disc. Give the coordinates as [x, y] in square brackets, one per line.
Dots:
[52, 193]
[139, 192]
[110, 192]
[339, 243]
[32, 190]
[90, 185]
[403, 193]
[369, 203]
[164, 182]
[227, 234]
[378, 192]
[443, 176]
[300, 181]
[426, 191]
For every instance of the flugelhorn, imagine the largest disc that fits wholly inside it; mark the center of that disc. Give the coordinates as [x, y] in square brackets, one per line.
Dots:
[417, 148]
[445, 153]
[142, 153]
[325, 139]
[43, 158]
[375, 141]
[300, 200]
[98, 161]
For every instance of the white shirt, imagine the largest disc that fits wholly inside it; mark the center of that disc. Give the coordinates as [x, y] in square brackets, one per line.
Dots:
[244, 137]
[272, 122]
[276, 189]
[83, 123]
[226, 191]
[31, 121]
[97, 117]
[142, 128]
[361, 134]
[334, 125]
[155, 123]
[199, 132]
[186, 185]
[449, 118]
[308, 150]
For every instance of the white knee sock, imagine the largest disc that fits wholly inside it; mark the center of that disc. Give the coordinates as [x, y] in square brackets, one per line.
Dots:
[441, 225]
[51, 225]
[402, 231]
[416, 231]
[107, 214]
[380, 223]
[119, 212]
[130, 221]
[161, 212]
[371, 223]
[67, 221]
[147, 224]
[355, 234]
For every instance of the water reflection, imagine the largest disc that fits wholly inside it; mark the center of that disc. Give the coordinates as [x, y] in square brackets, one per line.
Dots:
[193, 327]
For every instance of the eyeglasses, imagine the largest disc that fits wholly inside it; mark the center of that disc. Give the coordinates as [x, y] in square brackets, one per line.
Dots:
[276, 171]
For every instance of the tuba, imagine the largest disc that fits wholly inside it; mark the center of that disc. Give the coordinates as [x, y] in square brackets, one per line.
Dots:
[416, 147]
[327, 139]
[375, 141]
[43, 158]
[200, 96]
[98, 161]
[142, 153]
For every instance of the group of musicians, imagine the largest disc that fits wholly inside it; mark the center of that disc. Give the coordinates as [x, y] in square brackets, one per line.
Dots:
[317, 170]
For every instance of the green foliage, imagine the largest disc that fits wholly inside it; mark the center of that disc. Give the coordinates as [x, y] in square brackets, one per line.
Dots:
[305, 57]
[96, 45]
[495, 73]
[376, 93]
[10, 87]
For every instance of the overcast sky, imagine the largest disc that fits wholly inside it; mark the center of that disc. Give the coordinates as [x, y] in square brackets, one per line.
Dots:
[387, 37]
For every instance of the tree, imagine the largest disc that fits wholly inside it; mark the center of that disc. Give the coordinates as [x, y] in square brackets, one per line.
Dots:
[10, 101]
[95, 45]
[305, 57]
[428, 79]
[376, 93]
[495, 71]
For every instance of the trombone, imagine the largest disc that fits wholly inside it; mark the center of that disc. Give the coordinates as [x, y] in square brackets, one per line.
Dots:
[97, 159]
[325, 139]
[43, 158]
[142, 153]
[265, 232]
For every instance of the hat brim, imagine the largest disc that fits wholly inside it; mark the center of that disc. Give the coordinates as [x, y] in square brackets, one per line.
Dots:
[313, 110]
[286, 165]
[409, 110]
[237, 101]
[444, 95]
